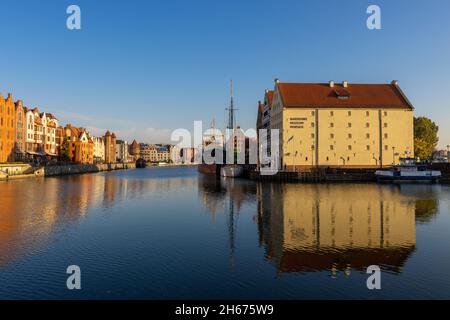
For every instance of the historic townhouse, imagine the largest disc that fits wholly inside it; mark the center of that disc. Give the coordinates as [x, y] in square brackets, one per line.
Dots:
[20, 131]
[49, 128]
[34, 133]
[81, 145]
[42, 134]
[341, 125]
[7, 128]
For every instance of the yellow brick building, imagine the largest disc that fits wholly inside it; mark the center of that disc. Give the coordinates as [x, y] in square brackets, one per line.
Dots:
[341, 125]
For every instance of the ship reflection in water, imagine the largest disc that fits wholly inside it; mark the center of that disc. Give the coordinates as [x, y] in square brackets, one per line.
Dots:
[173, 233]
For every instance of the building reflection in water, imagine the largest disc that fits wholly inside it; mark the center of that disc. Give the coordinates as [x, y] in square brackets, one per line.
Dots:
[335, 227]
[32, 210]
[306, 227]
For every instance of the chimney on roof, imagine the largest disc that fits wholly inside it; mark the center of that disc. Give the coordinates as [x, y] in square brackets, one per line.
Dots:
[9, 96]
[277, 80]
[394, 82]
[345, 83]
[331, 84]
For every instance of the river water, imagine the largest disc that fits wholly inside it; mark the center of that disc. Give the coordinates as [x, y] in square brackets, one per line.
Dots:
[170, 233]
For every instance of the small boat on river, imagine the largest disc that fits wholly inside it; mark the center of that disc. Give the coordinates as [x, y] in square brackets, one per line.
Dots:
[408, 171]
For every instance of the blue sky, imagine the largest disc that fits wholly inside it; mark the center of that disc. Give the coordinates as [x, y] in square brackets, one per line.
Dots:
[143, 68]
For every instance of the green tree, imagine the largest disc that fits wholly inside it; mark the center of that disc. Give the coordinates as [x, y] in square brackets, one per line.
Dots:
[425, 137]
[65, 156]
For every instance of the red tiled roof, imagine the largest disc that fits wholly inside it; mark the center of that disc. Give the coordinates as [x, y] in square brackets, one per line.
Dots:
[269, 95]
[318, 95]
[261, 107]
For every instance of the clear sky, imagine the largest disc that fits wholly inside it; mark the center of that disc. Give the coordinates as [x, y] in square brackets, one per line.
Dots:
[143, 68]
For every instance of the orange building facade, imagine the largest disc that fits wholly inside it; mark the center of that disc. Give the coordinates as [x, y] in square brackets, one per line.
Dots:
[81, 145]
[7, 128]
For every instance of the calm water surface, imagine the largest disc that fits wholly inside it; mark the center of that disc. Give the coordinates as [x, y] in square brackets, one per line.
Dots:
[170, 233]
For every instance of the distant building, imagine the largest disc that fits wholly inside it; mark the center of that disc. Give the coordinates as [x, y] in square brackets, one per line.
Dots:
[121, 151]
[81, 145]
[440, 156]
[49, 126]
[263, 122]
[20, 134]
[42, 134]
[146, 151]
[155, 153]
[162, 153]
[135, 150]
[187, 155]
[99, 149]
[110, 147]
[7, 129]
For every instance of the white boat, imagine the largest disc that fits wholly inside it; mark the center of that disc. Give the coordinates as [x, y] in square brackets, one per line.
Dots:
[232, 171]
[408, 171]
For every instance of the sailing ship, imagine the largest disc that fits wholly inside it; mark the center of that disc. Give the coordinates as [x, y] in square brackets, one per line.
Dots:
[217, 142]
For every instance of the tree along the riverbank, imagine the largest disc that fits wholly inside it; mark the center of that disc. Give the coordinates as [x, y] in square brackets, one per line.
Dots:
[425, 137]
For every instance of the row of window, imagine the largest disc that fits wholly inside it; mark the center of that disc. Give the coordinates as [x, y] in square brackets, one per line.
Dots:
[9, 110]
[350, 136]
[349, 113]
[11, 124]
[349, 125]
[350, 147]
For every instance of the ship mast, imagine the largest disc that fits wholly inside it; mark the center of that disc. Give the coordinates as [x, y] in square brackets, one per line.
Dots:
[231, 110]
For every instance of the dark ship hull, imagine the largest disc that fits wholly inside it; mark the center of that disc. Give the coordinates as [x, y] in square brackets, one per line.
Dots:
[140, 163]
[212, 169]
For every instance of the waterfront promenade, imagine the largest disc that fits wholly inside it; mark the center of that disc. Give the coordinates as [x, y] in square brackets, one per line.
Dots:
[23, 171]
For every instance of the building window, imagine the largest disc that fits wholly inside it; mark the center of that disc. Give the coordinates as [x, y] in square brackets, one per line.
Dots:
[367, 135]
[349, 147]
[350, 135]
[385, 114]
[328, 159]
[349, 125]
[331, 113]
[367, 148]
[367, 113]
[331, 147]
[312, 147]
[367, 125]
[331, 135]
[386, 147]
[306, 159]
[312, 135]
[313, 113]
[386, 135]
[349, 113]
[385, 125]
[312, 124]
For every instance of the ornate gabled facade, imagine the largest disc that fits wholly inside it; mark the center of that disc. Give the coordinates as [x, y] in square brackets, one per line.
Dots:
[20, 131]
[7, 128]
[81, 145]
